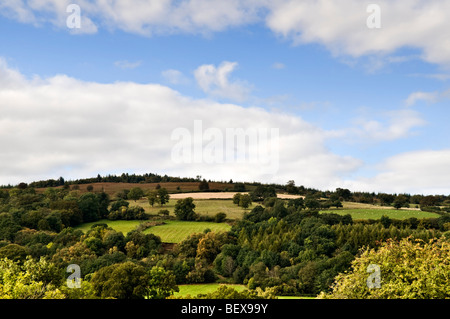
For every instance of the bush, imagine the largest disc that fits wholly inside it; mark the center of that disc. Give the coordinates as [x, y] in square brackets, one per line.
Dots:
[220, 217]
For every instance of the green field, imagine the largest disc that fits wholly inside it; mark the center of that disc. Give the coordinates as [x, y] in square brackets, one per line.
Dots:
[196, 289]
[123, 226]
[377, 213]
[174, 231]
[208, 207]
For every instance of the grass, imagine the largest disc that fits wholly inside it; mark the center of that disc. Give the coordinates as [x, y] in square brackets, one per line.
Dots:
[208, 207]
[175, 231]
[195, 289]
[377, 213]
[123, 226]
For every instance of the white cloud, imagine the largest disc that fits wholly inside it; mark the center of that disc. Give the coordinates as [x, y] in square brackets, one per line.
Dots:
[278, 66]
[127, 65]
[430, 97]
[419, 172]
[341, 26]
[216, 81]
[61, 126]
[338, 25]
[174, 76]
[392, 126]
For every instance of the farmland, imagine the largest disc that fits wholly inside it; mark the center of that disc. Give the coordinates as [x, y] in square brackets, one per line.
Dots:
[196, 289]
[289, 246]
[377, 213]
[208, 207]
[172, 231]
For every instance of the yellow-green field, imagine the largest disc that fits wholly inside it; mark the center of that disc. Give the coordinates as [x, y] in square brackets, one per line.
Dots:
[174, 231]
[377, 213]
[195, 289]
[208, 207]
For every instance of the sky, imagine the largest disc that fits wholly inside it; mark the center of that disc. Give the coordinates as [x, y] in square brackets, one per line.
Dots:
[326, 93]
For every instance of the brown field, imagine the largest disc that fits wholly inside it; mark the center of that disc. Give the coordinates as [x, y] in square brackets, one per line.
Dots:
[112, 188]
[221, 195]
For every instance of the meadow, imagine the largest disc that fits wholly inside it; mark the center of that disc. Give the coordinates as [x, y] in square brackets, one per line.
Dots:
[173, 231]
[360, 211]
[377, 213]
[195, 289]
[209, 207]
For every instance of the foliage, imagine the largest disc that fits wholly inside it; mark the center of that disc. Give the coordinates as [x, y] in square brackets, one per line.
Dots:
[184, 209]
[410, 269]
[161, 284]
[122, 281]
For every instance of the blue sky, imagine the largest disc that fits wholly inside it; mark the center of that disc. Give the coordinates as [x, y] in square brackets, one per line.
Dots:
[356, 107]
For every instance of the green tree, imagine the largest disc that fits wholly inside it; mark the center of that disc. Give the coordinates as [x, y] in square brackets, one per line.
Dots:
[135, 193]
[409, 269]
[161, 283]
[13, 252]
[89, 206]
[152, 197]
[237, 198]
[184, 209]
[122, 281]
[163, 196]
[400, 201]
[245, 201]
[8, 227]
[31, 280]
[312, 203]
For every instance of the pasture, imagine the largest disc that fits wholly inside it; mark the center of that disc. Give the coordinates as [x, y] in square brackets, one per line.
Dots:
[377, 213]
[173, 231]
[196, 289]
[209, 207]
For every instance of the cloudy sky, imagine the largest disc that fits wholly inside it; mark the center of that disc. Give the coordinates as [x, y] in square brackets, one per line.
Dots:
[106, 87]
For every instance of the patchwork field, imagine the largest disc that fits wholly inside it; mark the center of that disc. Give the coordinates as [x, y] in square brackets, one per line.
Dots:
[203, 207]
[196, 289]
[123, 226]
[377, 213]
[174, 231]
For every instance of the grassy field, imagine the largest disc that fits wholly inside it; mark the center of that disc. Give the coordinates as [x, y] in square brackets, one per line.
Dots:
[123, 226]
[202, 206]
[377, 213]
[175, 231]
[196, 289]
